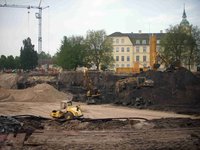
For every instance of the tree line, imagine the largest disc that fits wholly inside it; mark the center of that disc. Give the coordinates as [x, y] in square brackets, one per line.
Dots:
[180, 44]
[27, 60]
[94, 50]
[75, 51]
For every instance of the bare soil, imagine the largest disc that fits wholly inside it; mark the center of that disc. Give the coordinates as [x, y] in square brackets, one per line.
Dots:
[169, 133]
[163, 130]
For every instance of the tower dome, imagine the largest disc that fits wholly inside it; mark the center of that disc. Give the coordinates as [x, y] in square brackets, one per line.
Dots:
[184, 21]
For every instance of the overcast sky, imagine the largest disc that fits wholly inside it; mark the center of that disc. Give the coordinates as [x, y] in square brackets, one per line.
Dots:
[76, 17]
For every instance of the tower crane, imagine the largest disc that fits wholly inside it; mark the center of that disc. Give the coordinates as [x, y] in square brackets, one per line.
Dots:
[37, 15]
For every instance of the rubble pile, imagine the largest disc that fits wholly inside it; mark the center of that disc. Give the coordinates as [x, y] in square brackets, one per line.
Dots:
[177, 88]
[9, 124]
[76, 83]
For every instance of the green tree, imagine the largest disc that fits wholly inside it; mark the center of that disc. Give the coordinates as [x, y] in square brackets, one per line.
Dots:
[71, 53]
[3, 62]
[99, 50]
[44, 55]
[17, 62]
[180, 45]
[10, 62]
[28, 56]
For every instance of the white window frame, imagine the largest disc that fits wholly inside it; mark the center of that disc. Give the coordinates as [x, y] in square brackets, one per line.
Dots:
[144, 60]
[122, 49]
[117, 58]
[117, 41]
[144, 49]
[128, 58]
[137, 42]
[137, 49]
[144, 41]
[122, 58]
[117, 49]
[128, 49]
[138, 58]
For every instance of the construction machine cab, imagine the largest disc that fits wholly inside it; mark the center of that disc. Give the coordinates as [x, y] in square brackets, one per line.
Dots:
[64, 104]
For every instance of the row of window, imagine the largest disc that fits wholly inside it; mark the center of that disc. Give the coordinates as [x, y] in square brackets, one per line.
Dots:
[145, 42]
[128, 58]
[128, 49]
[122, 58]
[122, 65]
[138, 49]
[127, 65]
[122, 49]
[117, 41]
[136, 42]
[138, 58]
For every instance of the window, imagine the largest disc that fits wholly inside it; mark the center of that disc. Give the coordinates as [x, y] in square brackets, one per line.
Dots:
[122, 49]
[113, 40]
[158, 41]
[137, 49]
[117, 41]
[137, 41]
[128, 65]
[117, 49]
[128, 49]
[137, 58]
[117, 58]
[128, 58]
[144, 49]
[122, 65]
[144, 58]
[122, 40]
[122, 58]
[117, 65]
[144, 42]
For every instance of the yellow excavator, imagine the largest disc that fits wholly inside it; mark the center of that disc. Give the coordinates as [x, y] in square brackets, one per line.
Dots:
[93, 94]
[67, 111]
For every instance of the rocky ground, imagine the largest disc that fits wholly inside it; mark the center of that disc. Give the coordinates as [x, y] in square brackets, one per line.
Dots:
[40, 133]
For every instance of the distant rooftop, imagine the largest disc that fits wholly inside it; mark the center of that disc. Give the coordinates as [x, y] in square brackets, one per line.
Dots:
[136, 35]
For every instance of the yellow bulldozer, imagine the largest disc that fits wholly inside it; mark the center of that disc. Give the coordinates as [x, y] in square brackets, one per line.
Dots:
[67, 111]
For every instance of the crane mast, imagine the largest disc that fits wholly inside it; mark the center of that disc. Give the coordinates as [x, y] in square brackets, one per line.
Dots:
[37, 15]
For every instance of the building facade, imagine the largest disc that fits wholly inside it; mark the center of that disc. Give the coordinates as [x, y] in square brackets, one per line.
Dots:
[130, 49]
[134, 50]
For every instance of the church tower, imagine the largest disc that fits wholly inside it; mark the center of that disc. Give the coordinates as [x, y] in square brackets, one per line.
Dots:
[185, 25]
[184, 21]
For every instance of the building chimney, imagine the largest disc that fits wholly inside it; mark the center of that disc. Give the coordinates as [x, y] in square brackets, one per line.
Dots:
[161, 31]
[140, 31]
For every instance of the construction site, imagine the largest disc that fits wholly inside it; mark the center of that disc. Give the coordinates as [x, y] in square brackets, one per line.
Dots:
[126, 112]
[139, 105]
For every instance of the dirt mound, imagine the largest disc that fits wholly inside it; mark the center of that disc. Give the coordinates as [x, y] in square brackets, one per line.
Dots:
[8, 80]
[39, 93]
[180, 87]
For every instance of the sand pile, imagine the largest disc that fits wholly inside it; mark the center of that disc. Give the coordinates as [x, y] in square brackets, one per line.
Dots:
[38, 93]
[8, 80]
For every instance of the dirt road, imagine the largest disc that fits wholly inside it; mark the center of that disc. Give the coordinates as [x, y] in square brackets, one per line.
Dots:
[90, 111]
[132, 139]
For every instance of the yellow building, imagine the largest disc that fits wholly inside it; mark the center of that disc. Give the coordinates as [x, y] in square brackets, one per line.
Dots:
[132, 50]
